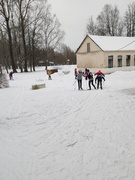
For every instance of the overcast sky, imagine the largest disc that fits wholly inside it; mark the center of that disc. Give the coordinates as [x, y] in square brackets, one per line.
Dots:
[74, 14]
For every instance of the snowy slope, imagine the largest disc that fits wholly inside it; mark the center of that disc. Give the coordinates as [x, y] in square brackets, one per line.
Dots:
[60, 133]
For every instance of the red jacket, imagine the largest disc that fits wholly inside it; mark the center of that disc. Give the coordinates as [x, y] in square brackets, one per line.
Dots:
[99, 72]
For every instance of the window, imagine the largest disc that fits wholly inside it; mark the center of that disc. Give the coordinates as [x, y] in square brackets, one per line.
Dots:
[110, 61]
[128, 60]
[88, 47]
[119, 61]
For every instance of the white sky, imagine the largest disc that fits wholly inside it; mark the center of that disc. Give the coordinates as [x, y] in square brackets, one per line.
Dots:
[74, 14]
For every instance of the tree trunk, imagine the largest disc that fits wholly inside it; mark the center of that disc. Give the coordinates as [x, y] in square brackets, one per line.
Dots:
[11, 48]
[33, 55]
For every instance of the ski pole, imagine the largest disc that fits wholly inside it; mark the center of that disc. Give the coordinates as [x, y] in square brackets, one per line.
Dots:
[74, 85]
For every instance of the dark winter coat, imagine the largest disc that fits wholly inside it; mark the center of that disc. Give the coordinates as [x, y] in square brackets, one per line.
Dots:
[90, 76]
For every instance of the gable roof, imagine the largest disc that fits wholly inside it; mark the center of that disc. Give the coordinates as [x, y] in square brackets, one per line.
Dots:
[114, 43]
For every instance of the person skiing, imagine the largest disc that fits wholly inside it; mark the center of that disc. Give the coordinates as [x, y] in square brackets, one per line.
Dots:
[99, 79]
[91, 79]
[79, 79]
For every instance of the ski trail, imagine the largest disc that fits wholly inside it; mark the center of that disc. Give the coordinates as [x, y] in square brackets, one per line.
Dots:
[67, 134]
[15, 108]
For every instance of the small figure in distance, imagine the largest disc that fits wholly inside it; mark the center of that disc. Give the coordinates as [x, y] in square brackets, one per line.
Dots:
[11, 75]
[49, 74]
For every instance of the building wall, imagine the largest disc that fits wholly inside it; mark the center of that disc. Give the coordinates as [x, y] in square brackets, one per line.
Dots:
[97, 58]
[93, 46]
[123, 54]
[90, 60]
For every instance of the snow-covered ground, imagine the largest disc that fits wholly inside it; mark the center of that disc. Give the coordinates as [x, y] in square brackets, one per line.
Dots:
[60, 133]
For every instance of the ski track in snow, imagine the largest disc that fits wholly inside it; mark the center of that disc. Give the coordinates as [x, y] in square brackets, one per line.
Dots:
[60, 133]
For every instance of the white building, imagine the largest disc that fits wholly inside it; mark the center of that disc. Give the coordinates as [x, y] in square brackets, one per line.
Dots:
[106, 52]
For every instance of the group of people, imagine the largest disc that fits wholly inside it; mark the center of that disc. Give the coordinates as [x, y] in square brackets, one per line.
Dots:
[100, 76]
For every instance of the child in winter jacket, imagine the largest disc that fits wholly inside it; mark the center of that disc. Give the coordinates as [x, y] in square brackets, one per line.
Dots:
[90, 78]
[79, 79]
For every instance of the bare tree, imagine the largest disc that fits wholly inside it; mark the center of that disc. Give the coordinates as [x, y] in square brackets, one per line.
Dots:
[4, 51]
[23, 8]
[52, 33]
[130, 20]
[68, 54]
[109, 22]
[91, 27]
[5, 12]
[31, 30]
[35, 28]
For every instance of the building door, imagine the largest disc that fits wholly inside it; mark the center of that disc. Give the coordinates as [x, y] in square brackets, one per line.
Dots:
[127, 60]
[110, 61]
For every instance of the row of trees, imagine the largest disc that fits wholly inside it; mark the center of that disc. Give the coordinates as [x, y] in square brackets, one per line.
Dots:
[110, 23]
[29, 33]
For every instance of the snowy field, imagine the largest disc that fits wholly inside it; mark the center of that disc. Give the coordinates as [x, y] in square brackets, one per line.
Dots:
[60, 133]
